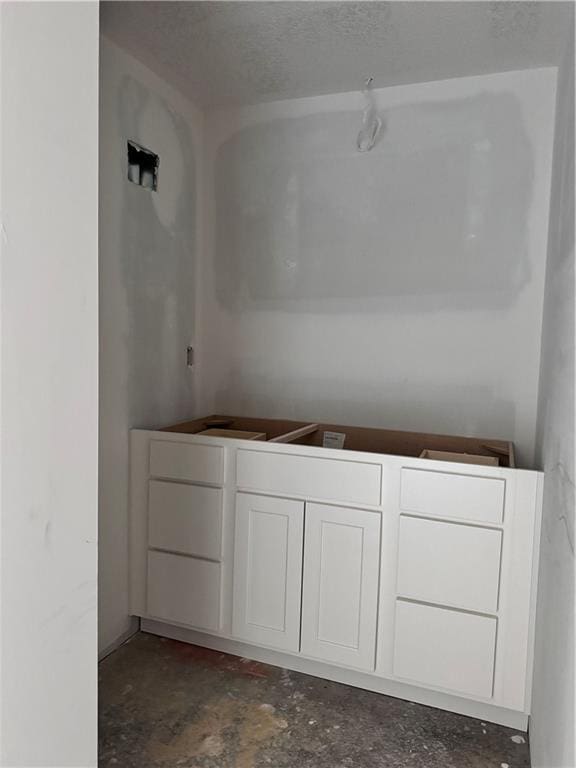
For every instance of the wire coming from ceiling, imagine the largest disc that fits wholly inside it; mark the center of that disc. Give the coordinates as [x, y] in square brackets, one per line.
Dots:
[371, 122]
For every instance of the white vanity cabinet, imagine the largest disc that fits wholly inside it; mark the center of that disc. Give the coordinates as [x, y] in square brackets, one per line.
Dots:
[407, 576]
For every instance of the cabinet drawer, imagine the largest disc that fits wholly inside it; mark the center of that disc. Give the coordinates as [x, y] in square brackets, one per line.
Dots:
[445, 649]
[446, 494]
[185, 518]
[184, 461]
[184, 590]
[449, 563]
[346, 481]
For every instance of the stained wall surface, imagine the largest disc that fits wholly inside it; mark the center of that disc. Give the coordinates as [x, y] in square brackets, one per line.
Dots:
[400, 287]
[552, 725]
[148, 253]
[49, 383]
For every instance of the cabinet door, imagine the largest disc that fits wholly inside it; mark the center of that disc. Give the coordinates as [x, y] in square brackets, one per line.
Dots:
[268, 571]
[340, 596]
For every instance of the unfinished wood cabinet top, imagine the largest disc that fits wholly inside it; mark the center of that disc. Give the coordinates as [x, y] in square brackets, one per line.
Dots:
[365, 439]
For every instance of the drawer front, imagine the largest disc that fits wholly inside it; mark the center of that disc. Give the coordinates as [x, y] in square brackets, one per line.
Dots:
[184, 461]
[449, 563]
[185, 518]
[347, 481]
[445, 649]
[446, 494]
[184, 590]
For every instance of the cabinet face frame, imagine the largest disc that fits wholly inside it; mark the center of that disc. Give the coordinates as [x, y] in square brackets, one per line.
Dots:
[268, 571]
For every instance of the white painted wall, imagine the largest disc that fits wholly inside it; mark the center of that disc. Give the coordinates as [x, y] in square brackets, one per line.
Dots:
[552, 726]
[48, 367]
[148, 250]
[399, 288]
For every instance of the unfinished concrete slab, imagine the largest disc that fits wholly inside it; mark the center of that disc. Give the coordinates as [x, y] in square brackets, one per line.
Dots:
[165, 703]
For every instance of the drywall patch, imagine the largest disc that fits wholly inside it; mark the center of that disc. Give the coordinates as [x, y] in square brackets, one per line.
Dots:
[166, 130]
[435, 216]
[158, 260]
[148, 252]
[369, 338]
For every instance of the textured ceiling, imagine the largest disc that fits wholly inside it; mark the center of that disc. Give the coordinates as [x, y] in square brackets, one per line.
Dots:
[230, 53]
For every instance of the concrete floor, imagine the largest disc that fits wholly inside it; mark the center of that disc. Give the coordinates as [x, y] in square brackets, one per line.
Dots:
[164, 704]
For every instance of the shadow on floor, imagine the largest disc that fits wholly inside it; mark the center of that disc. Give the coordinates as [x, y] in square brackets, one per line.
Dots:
[165, 704]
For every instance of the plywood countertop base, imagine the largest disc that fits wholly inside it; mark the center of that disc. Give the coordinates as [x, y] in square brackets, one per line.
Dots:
[364, 439]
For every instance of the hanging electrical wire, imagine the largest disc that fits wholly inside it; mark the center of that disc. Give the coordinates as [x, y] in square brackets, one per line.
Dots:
[371, 122]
